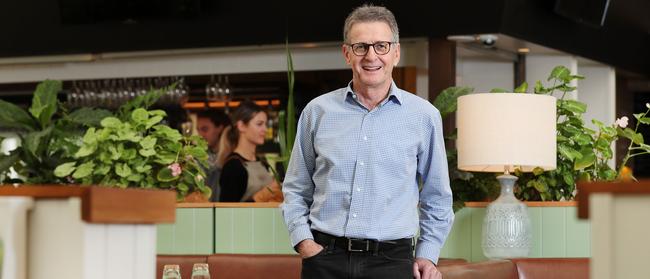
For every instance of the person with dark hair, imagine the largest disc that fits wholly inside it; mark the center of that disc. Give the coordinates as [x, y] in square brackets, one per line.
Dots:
[368, 168]
[245, 176]
[210, 124]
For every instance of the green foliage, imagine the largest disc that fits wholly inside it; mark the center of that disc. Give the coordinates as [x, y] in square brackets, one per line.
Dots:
[47, 134]
[446, 101]
[132, 149]
[287, 119]
[583, 153]
[93, 146]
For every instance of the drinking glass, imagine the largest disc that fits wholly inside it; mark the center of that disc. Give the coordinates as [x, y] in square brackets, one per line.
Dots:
[171, 271]
[200, 271]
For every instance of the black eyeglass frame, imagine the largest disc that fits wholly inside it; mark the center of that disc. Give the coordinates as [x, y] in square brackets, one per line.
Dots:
[366, 47]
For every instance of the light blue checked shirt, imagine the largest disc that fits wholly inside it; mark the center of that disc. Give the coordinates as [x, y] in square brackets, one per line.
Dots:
[355, 172]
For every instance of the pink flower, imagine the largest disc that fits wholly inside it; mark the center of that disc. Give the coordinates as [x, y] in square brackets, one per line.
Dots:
[621, 122]
[176, 169]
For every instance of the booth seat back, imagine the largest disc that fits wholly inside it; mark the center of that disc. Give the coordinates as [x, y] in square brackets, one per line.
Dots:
[254, 266]
[493, 269]
[249, 266]
[556, 268]
[231, 266]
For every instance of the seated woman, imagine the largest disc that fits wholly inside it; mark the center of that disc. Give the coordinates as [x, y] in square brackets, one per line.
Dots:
[244, 176]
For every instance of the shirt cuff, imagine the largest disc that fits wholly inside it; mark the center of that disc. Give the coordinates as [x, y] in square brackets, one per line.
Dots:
[299, 234]
[427, 251]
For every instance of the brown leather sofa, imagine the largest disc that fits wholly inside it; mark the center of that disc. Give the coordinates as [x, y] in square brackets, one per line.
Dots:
[259, 266]
[529, 268]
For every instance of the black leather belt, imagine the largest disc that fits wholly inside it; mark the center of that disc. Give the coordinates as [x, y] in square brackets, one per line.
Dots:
[358, 244]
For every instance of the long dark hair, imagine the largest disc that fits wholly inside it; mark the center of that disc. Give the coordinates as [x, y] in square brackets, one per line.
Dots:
[230, 136]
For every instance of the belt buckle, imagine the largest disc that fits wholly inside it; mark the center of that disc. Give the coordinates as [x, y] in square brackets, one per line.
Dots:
[350, 249]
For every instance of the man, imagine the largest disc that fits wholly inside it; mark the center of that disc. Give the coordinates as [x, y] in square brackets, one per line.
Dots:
[351, 190]
[210, 124]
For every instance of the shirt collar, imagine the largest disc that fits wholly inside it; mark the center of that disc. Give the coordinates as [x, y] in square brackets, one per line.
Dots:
[394, 93]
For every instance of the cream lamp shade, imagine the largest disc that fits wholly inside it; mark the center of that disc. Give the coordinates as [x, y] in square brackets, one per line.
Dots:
[500, 132]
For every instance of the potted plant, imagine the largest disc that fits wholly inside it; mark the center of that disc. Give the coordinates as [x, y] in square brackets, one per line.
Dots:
[582, 154]
[129, 148]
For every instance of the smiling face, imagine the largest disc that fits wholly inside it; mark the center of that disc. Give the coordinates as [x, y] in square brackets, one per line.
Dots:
[371, 71]
[255, 130]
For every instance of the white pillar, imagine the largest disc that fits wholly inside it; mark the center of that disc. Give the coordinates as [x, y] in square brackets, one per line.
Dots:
[484, 75]
[13, 234]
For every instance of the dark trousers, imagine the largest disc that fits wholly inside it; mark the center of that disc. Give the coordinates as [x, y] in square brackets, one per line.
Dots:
[389, 261]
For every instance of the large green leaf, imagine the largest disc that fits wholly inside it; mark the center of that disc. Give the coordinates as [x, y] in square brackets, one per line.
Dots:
[35, 142]
[84, 170]
[153, 121]
[65, 169]
[539, 88]
[123, 170]
[86, 150]
[568, 152]
[587, 159]
[291, 110]
[111, 122]
[12, 116]
[165, 175]
[44, 103]
[196, 152]
[140, 115]
[446, 102]
[166, 132]
[560, 73]
[522, 88]
[582, 139]
[148, 142]
[88, 116]
[574, 106]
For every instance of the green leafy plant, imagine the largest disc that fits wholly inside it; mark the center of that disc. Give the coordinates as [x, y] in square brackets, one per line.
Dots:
[132, 149]
[287, 118]
[47, 132]
[583, 153]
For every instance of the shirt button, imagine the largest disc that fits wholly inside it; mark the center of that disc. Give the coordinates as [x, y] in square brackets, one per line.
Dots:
[354, 215]
[365, 138]
[358, 189]
[361, 163]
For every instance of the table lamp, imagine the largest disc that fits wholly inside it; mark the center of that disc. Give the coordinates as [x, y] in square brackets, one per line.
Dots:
[501, 132]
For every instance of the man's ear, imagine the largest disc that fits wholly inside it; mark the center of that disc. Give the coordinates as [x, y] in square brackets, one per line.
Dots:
[346, 53]
[397, 54]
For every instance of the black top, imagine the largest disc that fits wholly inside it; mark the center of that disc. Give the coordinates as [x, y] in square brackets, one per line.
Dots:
[234, 179]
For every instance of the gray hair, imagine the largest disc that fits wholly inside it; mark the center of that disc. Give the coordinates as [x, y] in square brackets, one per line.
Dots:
[370, 13]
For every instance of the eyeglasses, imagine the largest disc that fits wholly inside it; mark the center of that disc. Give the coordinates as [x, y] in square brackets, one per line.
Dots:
[380, 48]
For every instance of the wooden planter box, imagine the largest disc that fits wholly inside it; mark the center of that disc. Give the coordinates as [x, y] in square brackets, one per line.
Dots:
[76, 232]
